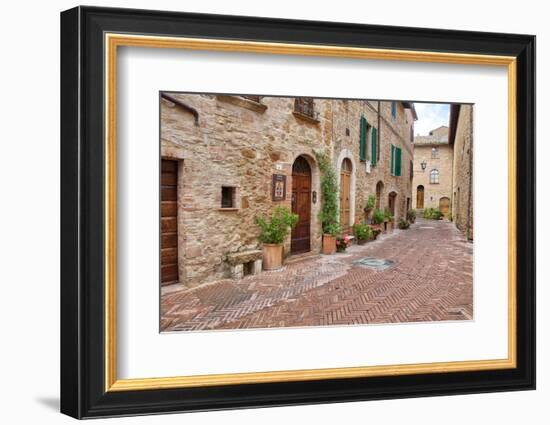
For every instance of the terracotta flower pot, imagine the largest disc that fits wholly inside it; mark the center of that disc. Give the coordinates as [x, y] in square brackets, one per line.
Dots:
[329, 244]
[272, 256]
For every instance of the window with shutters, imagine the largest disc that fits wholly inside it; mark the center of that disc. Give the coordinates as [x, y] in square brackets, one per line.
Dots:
[304, 106]
[375, 147]
[395, 161]
[434, 176]
[363, 130]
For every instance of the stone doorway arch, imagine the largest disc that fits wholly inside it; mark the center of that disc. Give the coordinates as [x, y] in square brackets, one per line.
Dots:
[392, 201]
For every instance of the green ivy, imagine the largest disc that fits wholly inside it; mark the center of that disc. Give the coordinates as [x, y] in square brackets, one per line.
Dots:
[329, 214]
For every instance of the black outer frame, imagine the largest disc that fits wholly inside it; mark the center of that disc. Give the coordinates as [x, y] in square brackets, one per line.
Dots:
[82, 212]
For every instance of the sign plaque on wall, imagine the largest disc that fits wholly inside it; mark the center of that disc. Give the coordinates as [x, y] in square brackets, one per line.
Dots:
[279, 187]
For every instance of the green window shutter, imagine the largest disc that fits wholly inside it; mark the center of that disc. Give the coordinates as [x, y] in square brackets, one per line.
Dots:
[374, 146]
[397, 161]
[363, 139]
[392, 161]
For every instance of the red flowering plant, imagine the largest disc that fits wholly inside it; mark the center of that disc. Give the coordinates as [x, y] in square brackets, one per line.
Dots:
[342, 242]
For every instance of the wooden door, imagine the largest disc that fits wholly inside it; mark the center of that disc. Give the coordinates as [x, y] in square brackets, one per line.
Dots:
[169, 222]
[420, 197]
[391, 203]
[301, 205]
[345, 183]
[444, 205]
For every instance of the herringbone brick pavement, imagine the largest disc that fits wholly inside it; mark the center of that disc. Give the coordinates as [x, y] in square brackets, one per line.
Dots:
[431, 280]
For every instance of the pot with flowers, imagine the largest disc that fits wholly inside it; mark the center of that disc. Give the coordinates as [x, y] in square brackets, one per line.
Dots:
[378, 221]
[342, 242]
[363, 232]
[369, 206]
[272, 235]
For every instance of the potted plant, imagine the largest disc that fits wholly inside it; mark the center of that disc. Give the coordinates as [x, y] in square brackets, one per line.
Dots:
[377, 220]
[329, 209]
[371, 201]
[428, 212]
[437, 214]
[272, 235]
[342, 243]
[363, 232]
[388, 218]
[403, 224]
[411, 216]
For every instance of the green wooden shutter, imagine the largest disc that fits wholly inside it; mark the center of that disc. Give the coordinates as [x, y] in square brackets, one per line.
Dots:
[363, 139]
[374, 146]
[392, 161]
[397, 161]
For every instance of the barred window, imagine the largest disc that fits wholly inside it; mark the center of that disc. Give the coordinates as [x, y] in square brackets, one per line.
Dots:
[304, 106]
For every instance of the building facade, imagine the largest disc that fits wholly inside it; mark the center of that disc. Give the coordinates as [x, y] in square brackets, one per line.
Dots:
[226, 160]
[433, 171]
[461, 138]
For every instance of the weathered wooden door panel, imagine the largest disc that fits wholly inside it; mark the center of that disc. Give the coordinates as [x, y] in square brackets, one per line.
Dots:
[169, 222]
[444, 205]
[420, 197]
[301, 205]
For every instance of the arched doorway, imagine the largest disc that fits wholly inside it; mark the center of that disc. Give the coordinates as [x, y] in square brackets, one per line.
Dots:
[301, 205]
[379, 191]
[345, 194]
[420, 197]
[444, 204]
[391, 202]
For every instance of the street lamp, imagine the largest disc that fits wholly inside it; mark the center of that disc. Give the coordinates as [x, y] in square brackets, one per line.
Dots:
[423, 164]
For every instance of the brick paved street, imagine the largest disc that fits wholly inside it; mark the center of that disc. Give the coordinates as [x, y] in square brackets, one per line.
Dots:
[430, 280]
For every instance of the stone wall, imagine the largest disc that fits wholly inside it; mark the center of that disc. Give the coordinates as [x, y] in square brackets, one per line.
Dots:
[462, 172]
[443, 162]
[242, 143]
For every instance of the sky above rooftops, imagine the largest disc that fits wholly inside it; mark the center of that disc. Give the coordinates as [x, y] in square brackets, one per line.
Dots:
[430, 117]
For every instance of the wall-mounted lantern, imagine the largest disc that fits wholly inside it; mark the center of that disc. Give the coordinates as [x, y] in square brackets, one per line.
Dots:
[314, 197]
[423, 164]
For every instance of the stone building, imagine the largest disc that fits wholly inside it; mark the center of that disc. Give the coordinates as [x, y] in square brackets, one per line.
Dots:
[461, 139]
[228, 159]
[433, 171]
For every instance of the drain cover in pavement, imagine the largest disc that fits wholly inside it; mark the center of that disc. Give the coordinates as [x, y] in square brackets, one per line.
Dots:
[374, 263]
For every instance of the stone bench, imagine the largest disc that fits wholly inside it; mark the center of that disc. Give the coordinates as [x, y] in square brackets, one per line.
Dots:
[245, 263]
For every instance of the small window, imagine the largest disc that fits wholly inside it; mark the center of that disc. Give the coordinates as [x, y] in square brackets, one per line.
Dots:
[228, 197]
[435, 152]
[304, 106]
[434, 176]
[394, 110]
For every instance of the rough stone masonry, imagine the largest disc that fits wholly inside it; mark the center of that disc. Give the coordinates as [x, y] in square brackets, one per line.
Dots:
[228, 148]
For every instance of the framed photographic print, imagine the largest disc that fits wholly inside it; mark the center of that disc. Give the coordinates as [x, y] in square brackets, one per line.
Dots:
[261, 212]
